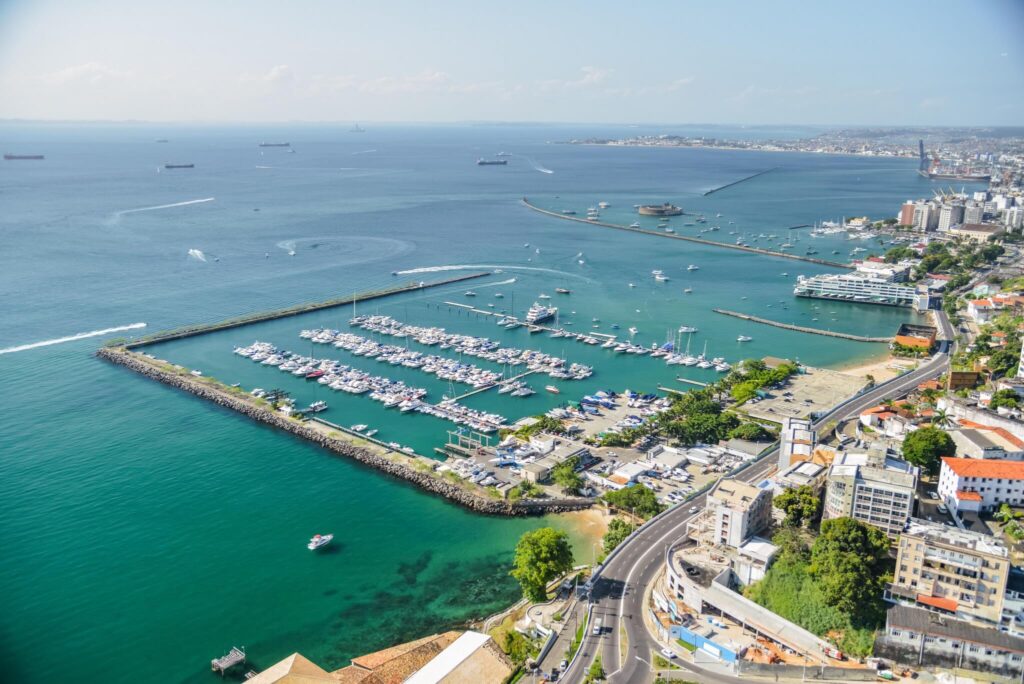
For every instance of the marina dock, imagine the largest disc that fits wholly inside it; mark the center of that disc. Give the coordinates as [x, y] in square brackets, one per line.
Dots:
[480, 390]
[801, 328]
[687, 238]
[741, 180]
[545, 328]
[235, 657]
[202, 329]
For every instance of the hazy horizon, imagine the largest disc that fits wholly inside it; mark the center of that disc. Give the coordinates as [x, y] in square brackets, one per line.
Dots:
[917, 63]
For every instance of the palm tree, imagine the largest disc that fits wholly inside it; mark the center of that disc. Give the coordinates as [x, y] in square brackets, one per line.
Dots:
[941, 419]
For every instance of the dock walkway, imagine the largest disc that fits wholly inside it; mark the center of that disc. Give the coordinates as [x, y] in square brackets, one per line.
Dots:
[802, 328]
[235, 657]
[687, 238]
[479, 390]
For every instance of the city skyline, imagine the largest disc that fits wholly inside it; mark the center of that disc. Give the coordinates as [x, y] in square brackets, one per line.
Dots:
[873, 64]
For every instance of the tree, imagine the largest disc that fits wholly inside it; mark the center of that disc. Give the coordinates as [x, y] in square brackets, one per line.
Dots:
[636, 498]
[941, 419]
[924, 447]
[1006, 515]
[1006, 398]
[800, 505]
[618, 530]
[541, 556]
[517, 647]
[565, 476]
[850, 560]
[752, 432]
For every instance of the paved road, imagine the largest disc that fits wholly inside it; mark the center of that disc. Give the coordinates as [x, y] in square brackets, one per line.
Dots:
[618, 592]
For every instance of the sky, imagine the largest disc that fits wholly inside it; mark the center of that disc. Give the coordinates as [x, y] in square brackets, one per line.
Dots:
[862, 62]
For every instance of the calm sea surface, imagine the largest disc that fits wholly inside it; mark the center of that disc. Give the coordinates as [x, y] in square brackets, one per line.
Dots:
[145, 532]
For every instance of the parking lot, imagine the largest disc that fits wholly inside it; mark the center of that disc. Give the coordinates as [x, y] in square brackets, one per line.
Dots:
[816, 390]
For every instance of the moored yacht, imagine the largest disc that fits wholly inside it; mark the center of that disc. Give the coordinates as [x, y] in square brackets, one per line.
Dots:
[319, 541]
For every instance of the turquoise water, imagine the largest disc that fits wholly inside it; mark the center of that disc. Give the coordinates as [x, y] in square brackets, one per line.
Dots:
[145, 532]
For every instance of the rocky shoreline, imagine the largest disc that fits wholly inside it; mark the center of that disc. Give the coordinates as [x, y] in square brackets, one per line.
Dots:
[394, 464]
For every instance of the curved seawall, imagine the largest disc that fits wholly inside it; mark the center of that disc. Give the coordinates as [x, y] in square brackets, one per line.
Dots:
[416, 470]
[687, 238]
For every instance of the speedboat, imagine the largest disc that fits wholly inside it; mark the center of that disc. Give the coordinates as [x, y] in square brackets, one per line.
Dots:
[744, 338]
[562, 290]
[470, 293]
[358, 428]
[633, 330]
[693, 267]
[687, 329]
[319, 541]
[371, 433]
[688, 290]
[317, 407]
[552, 389]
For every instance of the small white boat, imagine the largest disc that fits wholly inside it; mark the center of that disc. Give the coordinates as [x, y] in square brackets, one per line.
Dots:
[744, 338]
[319, 541]
[552, 389]
[633, 330]
[543, 296]
[693, 267]
[632, 285]
[470, 293]
[661, 278]
[371, 433]
[687, 329]
[358, 428]
[688, 290]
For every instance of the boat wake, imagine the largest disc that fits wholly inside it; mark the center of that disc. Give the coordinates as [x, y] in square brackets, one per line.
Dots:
[536, 166]
[164, 206]
[500, 282]
[197, 254]
[72, 338]
[507, 267]
[363, 152]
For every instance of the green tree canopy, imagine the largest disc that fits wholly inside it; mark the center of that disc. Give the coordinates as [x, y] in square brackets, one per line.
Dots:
[1006, 397]
[799, 504]
[849, 561]
[636, 498]
[565, 476]
[924, 447]
[753, 432]
[618, 530]
[541, 556]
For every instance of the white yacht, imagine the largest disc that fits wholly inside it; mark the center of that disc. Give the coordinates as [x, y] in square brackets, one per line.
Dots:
[693, 267]
[319, 541]
[687, 329]
[539, 313]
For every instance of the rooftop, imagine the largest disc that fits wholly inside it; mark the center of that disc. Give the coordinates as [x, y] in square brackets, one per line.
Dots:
[985, 468]
[937, 533]
[735, 494]
[874, 468]
[926, 622]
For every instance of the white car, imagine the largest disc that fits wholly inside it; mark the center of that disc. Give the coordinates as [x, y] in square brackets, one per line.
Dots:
[668, 653]
[693, 509]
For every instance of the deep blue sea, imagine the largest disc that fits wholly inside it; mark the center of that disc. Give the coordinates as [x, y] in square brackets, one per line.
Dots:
[145, 532]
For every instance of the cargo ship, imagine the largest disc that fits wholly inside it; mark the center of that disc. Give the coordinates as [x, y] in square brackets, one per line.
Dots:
[665, 209]
[266, 144]
[23, 157]
[491, 162]
[179, 166]
[933, 170]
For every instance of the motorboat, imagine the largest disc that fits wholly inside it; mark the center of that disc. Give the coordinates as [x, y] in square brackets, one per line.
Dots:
[744, 338]
[319, 541]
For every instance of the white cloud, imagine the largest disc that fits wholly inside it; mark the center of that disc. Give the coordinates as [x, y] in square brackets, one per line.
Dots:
[592, 76]
[281, 73]
[93, 73]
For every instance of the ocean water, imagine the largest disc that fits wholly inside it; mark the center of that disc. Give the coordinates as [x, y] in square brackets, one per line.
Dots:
[145, 532]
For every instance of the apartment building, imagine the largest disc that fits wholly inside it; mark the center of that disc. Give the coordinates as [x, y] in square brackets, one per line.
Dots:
[951, 571]
[738, 511]
[796, 441]
[974, 484]
[871, 487]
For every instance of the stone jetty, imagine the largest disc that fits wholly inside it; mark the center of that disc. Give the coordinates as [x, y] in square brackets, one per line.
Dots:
[416, 470]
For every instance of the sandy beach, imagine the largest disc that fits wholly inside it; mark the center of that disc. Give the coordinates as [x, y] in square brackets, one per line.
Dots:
[881, 369]
[590, 524]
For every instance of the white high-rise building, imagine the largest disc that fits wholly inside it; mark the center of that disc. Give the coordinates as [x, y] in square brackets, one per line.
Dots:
[950, 215]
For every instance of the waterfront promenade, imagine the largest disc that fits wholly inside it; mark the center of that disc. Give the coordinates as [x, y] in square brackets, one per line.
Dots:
[686, 238]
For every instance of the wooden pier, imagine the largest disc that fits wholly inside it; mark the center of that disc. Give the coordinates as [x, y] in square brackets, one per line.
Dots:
[698, 383]
[235, 657]
[802, 328]
[687, 238]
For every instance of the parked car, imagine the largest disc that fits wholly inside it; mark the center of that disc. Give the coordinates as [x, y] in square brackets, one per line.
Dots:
[668, 653]
[943, 509]
[933, 494]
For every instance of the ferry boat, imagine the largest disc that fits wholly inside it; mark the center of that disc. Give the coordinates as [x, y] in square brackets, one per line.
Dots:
[539, 313]
[552, 389]
[319, 541]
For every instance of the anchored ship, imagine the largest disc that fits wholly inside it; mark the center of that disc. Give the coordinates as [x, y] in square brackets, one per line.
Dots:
[934, 170]
[268, 144]
[491, 162]
[539, 313]
[179, 166]
[23, 157]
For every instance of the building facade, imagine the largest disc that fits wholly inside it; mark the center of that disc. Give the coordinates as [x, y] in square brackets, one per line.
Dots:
[796, 441]
[739, 511]
[972, 484]
[873, 488]
[952, 572]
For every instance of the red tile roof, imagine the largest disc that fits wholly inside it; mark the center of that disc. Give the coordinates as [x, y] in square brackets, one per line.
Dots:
[968, 496]
[990, 468]
[938, 602]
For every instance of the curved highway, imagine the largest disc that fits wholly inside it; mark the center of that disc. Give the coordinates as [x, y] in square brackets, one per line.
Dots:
[619, 587]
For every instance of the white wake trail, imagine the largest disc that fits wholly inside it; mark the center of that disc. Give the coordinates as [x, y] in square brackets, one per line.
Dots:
[72, 338]
[165, 206]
